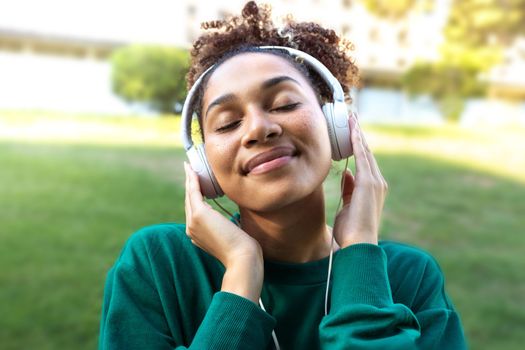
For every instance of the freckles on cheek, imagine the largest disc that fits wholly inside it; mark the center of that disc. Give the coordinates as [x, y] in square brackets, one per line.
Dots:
[219, 157]
[308, 122]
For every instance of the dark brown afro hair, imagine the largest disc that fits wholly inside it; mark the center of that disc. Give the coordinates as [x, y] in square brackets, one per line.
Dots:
[224, 38]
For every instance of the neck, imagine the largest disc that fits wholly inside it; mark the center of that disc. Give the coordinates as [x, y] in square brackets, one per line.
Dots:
[295, 233]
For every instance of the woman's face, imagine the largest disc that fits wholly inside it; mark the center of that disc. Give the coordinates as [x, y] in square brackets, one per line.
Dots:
[266, 136]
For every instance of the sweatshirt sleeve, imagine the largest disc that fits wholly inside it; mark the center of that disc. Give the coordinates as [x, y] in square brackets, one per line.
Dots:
[133, 317]
[233, 322]
[363, 314]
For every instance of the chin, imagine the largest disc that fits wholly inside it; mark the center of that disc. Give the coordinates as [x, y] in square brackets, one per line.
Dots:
[275, 190]
[275, 196]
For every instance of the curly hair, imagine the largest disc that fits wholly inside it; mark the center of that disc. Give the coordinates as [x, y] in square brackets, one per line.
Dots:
[223, 39]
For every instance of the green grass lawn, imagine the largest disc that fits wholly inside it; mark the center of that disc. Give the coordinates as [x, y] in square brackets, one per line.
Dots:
[70, 197]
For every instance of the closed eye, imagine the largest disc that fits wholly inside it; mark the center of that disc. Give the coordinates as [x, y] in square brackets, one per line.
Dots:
[286, 108]
[233, 125]
[229, 126]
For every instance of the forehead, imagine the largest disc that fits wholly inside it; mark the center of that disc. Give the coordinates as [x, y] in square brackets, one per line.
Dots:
[247, 70]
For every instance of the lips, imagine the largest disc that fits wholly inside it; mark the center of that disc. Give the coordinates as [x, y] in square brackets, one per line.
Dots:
[274, 153]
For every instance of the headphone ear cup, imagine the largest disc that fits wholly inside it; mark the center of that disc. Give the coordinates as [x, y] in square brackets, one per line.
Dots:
[208, 183]
[338, 127]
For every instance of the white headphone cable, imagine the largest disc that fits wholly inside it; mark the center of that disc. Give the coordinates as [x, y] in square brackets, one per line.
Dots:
[277, 347]
[332, 243]
[274, 336]
[275, 341]
[227, 212]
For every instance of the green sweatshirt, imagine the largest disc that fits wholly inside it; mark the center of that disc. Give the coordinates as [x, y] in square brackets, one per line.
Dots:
[164, 293]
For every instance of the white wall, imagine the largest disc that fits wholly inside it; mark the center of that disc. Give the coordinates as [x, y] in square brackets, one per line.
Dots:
[28, 81]
[377, 105]
[44, 82]
[392, 106]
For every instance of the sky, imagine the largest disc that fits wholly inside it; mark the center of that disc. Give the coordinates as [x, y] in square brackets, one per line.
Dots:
[123, 20]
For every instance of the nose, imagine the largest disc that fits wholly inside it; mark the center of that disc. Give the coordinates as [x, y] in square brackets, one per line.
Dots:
[259, 128]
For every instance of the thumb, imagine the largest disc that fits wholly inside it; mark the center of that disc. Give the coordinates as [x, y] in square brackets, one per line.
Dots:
[348, 184]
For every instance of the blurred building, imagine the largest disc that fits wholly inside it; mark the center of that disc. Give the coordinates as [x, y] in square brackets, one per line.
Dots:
[56, 72]
[383, 49]
[70, 71]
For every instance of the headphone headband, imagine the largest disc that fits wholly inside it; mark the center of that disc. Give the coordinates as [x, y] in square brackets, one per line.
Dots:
[187, 112]
[332, 82]
[335, 113]
[187, 109]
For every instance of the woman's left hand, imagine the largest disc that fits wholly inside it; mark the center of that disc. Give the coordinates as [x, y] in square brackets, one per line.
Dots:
[363, 196]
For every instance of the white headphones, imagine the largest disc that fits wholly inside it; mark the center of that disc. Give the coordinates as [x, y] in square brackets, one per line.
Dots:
[335, 112]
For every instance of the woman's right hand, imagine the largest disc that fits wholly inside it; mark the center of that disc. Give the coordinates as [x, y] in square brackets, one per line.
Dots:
[363, 195]
[240, 253]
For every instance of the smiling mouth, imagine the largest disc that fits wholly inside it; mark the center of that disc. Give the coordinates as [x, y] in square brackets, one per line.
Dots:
[270, 160]
[271, 165]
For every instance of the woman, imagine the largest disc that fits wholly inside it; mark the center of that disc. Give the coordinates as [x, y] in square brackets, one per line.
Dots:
[267, 143]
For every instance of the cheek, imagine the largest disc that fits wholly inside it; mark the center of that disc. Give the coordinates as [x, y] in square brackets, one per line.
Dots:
[220, 156]
[310, 127]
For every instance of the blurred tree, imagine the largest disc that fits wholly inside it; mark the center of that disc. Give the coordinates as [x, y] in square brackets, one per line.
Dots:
[151, 74]
[448, 83]
[485, 22]
[396, 9]
[476, 33]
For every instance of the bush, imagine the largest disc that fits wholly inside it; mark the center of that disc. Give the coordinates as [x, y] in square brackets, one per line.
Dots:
[151, 74]
[449, 84]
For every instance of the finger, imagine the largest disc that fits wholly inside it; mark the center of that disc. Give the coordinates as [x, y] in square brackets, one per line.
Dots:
[362, 165]
[374, 167]
[186, 190]
[369, 155]
[348, 186]
[187, 205]
[195, 195]
[355, 118]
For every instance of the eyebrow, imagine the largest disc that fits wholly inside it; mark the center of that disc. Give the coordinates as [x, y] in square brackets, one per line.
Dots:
[267, 84]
